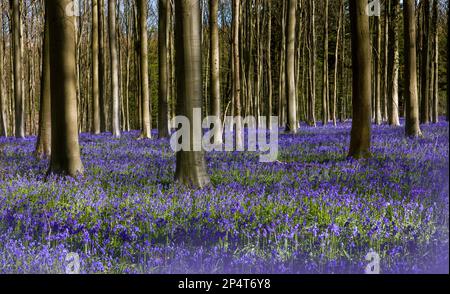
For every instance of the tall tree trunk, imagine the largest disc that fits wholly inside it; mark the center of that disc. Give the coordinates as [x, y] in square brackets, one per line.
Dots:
[291, 96]
[114, 71]
[215, 70]
[143, 53]
[412, 103]
[17, 63]
[312, 65]
[269, 107]
[95, 70]
[378, 118]
[3, 103]
[448, 64]
[191, 166]
[236, 73]
[336, 62]
[65, 158]
[101, 65]
[361, 65]
[435, 65]
[425, 65]
[163, 42]
[325, 92]
[43, 146]
[393, 63]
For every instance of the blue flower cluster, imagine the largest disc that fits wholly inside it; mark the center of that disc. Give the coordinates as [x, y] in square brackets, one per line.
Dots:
[313, 211]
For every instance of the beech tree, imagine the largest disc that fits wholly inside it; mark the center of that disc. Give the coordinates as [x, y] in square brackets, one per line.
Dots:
[412, 104]
[291, 95]
[114, 72]
[361, 64]
[65, 150]
[163, 42]
[44, 146]
[191, 166]
[17, 57]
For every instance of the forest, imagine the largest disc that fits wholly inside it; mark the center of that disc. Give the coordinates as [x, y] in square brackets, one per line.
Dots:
[103, 105]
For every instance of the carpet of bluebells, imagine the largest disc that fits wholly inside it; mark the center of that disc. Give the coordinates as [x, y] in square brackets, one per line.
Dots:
[313, 211]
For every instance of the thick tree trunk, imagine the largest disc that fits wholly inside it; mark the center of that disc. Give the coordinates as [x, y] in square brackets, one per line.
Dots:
[114, 71]
[291, 126]
[163, 42]
[361, 65]
[43, 146]
[393, 63]
[191, 166]
[215, 69]
[412, 104]
[17, 70]
[65, 158]
[95, 70]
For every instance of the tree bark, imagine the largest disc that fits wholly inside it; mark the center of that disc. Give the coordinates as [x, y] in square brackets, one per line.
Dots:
[3, 103]
[236, 73]
[377, 56]
[412, 104]
[325, 92]
[65, 158]
[393, 63]
[361, 66]
[215, 69]
[95, 70]
[191, 166]
[434, 85]
[425, 66]
[101, 66]
[163, 41]
[17, 71]
[43, 146]
[144, 84]
[114, 71]
[269, 107]
[291, 126]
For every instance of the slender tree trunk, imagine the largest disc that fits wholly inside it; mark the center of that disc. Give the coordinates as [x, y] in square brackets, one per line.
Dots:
[291, 125]
[435, 65]
[425, 66]
[312, 63]
[101, 66]
[3, 103]
[17, 63]
[95, 70]
[215, 69]
[336, 63]
[191, 166]
[65, 158]
[115, 117]
[236, 73]
[325, 91]
[43, 146]
[448, 64]
[378, 118]
[143, 53]
[361, 64]
[269, 107]
[412, 104]
[393, 64]
[163, 42]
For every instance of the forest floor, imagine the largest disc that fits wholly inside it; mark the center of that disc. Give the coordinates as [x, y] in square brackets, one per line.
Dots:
[313, 211]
